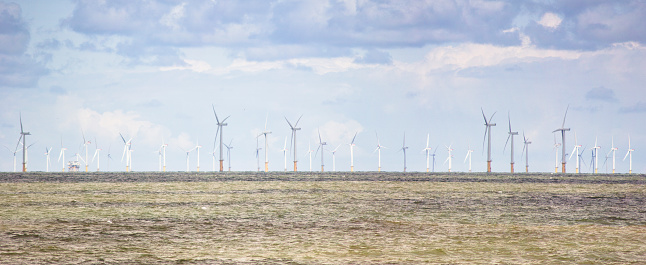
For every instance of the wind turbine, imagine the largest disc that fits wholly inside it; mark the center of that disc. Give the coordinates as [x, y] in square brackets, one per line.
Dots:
[322, 147]
[97, 155]
[14, 153]
[258, 148]
[613, 150]
[47, 150]
[285, 154]
[563, 130]
[197, 149]
[511, 135]
[23, 135]
[265, 132]
[378, 150]
[219, 130]
[577, 146]
[629, 153]
[85, 144]
[188, 153]
[595, 152]
[62, 153]
[450, 157]
[428, 151]
[127, 147]
[309, 152]
[352, 152]
[229, 147]
[488, 125]
[293, 139]
[404, 147]
[162, 156]
[526, 150]
[334, 158]
[469, 151]
[433, 155]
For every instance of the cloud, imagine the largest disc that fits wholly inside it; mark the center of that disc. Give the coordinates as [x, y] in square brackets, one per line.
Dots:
[601, 94]
[17, 69]
[639, 107]
[375, 57]
[550, 20]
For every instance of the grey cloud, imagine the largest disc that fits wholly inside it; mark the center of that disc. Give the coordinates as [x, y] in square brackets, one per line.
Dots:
[16, 68]
[602, 94]
[375, 57]
[50, 44]
[639, 107]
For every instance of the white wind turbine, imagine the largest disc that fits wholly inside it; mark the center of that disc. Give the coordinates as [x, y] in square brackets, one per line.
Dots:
[61, 154]
[595, 156]
[85, 144]
[219, 130]
[229, 147]
[404, 147]
[576, 149]
[469, 151]
[258, 148]
[292, 142]
[322, 148]
[14, 153]
[334, 158]
[47, 150]
[285, 153]
[428, 152]
[97, 155]
[488, 125]
[265, 132]
[23, 135]
[352, 152]
[433, 155]
[629, 153]
[511, 135]
[127, 152]
[162, 156]
[613, 150]
[197, 149]
[378, 150]
[563, 130]
[188, 155]
[309, 152]
[526, 143]
[450, 157]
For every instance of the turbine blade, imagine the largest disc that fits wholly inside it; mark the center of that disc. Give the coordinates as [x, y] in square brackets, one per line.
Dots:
[355, 136]
[290, 124]
[299, 119]
[503, 149]
[216, 115]
[225, 119]
[509, 118]
[626, 154]
[564, 116]
[266, 118]
[483, 116]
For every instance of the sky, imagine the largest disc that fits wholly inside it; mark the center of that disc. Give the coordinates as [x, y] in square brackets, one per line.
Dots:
[153, 71]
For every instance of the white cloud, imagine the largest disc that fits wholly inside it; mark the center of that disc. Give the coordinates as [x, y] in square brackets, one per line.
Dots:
[171, 19]
[550, 20]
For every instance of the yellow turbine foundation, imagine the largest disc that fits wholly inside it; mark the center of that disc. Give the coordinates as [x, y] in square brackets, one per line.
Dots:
[295, 167]
[221, 165]
[512, 167]
[351, 168]
[563, 167]
[488, 166]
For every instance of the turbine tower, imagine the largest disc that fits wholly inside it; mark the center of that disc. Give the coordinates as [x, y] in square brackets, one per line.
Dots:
[556, 154]
[433, 155]
[352, 152]
[450, 157]
[258, 148]
[595, 152]
[614, 151]
[488, 125]
[630, 160]
[469, 151]
[563, 130]
[309, 152]
[265, 132]
[576, 149]
[322, 147]
[293, 139]
[511, 135]
[404, 147]
[16, 151]
[162, 156]
[526, 150]
[378, 150]
[62, 153]
[23, 135]
[219, 130]
[428, 151]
